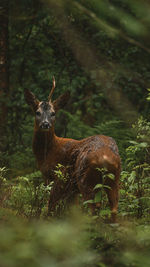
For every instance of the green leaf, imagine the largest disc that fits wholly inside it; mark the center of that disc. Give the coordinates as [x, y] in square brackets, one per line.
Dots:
[98, 186]
[144, 144]
[98, 197]
[111, 176]
[133, 142]
[90, 201]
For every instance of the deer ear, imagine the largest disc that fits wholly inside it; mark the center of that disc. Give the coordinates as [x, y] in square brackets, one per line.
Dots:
[61, 101]
[31, 100]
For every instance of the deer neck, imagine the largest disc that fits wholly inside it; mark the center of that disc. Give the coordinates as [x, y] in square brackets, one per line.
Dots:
[43, 143]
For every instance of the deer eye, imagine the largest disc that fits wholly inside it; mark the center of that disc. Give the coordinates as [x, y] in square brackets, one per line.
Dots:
[53, 114]
[38, 113]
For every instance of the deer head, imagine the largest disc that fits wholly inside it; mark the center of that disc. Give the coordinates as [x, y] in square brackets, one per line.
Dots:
[45, 110]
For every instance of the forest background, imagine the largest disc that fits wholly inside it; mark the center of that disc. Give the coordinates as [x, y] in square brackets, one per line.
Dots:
[99, 51]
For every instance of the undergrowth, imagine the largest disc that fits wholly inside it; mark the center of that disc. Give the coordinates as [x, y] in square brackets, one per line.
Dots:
[77, 239]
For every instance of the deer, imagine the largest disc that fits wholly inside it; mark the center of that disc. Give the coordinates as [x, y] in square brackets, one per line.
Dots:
[82, 160]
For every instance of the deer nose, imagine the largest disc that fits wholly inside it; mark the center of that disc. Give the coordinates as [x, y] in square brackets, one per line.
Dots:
[45, 125]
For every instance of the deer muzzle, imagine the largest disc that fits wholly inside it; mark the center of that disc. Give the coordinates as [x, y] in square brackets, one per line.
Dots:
[45, 125]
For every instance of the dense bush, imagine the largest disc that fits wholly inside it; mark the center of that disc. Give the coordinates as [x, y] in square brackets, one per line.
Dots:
[135, 178]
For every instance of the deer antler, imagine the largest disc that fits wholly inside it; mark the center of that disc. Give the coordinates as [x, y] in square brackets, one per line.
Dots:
[52, 90]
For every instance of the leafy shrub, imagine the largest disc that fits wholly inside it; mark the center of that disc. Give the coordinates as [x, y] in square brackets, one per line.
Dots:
[25, 195]
[29, 195]
[135, 180]
[126, 244]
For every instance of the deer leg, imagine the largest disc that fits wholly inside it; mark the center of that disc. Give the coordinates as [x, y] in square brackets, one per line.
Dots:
[113, 197]
[55, 196]
[86, 186]
[88, 194]
[65, 192]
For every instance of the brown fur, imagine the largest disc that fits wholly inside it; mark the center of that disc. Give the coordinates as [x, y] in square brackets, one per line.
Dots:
[80, 158]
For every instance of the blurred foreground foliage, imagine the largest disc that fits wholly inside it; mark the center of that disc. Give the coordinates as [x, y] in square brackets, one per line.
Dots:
[53, 243]
[76, 240]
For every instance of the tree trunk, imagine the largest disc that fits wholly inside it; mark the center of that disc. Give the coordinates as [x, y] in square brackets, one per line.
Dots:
[4, 70]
